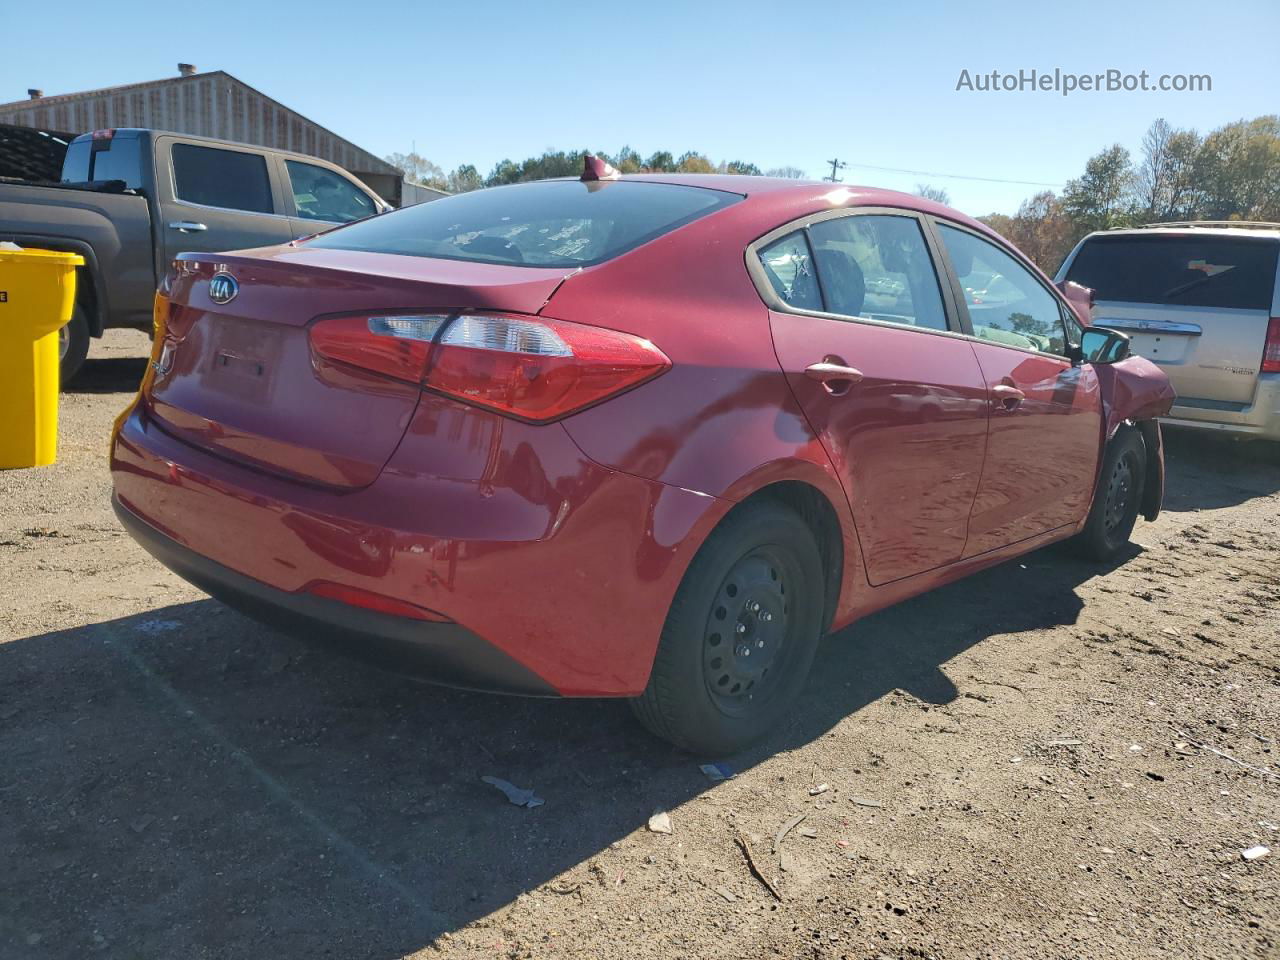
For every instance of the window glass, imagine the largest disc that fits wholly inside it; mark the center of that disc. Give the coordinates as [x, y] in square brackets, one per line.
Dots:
[1203, 270]
[1007, 304]
[114, 159]
[789, 268]
[550, 223]
[320, 194]
[221, 178]
[878, 268]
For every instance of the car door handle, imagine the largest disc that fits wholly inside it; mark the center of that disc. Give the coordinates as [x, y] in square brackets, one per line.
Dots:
[1007, 397]
[833, 369]
[187, 226]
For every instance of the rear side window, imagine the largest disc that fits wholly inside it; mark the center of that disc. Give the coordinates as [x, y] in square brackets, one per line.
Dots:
[551, 223]
[221, 178]
[789, 267]
[1192, 271]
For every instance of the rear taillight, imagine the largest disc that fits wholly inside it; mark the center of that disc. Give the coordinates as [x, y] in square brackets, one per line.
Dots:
[526, 367]
[1271, 348]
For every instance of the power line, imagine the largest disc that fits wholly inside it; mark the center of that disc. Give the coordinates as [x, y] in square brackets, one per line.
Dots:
[948, 176]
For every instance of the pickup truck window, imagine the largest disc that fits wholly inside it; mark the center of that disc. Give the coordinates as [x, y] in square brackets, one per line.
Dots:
[320, 194]
[115, 159]
[221, 178]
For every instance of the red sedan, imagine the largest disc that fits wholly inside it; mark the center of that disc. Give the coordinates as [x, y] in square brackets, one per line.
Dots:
[648, 437]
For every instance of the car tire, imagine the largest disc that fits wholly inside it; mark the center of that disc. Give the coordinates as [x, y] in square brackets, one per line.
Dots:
[755, 587]
[73, 345]
[1118, 498]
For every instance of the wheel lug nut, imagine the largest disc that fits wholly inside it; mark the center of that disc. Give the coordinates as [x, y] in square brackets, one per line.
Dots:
[741, 628]
[755, 607]
[743, 650]
[759, 644]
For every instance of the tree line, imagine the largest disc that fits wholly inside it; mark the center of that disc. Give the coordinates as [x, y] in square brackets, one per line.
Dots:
[568, 163]
[1231, 173]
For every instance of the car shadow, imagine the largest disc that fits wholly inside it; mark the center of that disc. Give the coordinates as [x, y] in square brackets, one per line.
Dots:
[188, 781]
[1211, 470]
[108, 375]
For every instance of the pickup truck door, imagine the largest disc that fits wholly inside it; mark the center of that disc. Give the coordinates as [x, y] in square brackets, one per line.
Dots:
[320, 198]
[216, 198]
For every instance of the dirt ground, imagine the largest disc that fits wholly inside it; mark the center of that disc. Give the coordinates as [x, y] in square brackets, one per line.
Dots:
[1046, 760]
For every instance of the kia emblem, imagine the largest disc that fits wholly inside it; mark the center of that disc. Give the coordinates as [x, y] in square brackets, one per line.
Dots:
[223, 288]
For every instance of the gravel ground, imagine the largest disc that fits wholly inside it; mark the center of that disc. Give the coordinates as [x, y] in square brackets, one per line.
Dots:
[1046, 760]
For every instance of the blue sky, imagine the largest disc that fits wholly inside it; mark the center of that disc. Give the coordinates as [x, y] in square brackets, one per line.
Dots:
[774, 83]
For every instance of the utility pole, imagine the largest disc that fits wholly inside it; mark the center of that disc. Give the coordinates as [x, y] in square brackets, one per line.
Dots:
[835, 165]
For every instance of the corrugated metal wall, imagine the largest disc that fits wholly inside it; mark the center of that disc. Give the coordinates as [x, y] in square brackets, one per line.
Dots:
[213, 104]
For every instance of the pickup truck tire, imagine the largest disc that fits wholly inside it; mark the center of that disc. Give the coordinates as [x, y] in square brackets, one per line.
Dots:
[73, 345]
[1118, 498]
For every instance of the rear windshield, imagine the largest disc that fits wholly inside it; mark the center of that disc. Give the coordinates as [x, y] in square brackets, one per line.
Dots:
[551, 223]
[1193, 271]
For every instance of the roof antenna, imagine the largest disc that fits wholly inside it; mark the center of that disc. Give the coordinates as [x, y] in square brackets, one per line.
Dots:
[594, 168]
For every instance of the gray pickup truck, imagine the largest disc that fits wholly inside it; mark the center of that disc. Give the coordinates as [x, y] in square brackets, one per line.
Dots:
[129, 201]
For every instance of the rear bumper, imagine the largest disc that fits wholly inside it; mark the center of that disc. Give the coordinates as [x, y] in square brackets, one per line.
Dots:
[556, 572]
[445, 653]
[1261, 419]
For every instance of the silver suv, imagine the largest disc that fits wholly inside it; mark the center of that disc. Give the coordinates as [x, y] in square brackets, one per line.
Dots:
[1202, 300]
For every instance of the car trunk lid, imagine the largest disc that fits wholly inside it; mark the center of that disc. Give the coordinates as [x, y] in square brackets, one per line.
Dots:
[240, 378]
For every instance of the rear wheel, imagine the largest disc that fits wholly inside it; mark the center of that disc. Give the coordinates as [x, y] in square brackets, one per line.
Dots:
[73, 345]
[740, 636]
[1118, 497]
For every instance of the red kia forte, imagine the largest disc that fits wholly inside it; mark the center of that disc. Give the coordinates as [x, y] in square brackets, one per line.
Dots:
[648, 437]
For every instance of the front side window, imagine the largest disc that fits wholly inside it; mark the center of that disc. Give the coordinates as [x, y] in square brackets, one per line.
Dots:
[549, 223]
[320, 194]
[1007, 304]
[878, 268]
[789, 267]
[221, 178]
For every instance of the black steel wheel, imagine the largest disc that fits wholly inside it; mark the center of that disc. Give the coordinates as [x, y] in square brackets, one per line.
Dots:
[1118, 498]
[741, 634]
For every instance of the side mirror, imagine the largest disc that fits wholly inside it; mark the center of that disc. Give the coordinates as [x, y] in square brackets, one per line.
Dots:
[1099, 345]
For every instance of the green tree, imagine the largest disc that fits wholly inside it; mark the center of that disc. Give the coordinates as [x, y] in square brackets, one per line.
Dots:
[1043, 231]
[464, 179]
[742, 168]
[661, 162]
[694, 162]
[1238, 171]
[1105, 196]
[628, 161]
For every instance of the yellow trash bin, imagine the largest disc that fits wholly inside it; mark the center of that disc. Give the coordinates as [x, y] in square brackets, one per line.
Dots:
[37, 293]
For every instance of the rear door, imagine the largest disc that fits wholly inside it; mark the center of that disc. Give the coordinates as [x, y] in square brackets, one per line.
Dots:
[1196, 302]
[887, 382]
[216, 198]
[1046, 412]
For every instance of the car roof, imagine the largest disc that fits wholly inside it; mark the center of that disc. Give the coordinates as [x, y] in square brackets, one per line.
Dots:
[816, 194]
